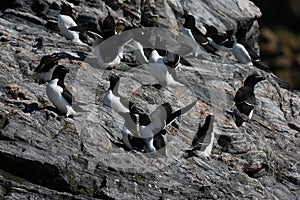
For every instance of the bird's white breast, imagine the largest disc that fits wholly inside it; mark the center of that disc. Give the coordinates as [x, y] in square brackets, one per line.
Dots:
[64, 22]
[241, 53]
[148, 137]
[54, 93]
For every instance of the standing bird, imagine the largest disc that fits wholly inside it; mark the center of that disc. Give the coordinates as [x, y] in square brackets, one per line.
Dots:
[245, 100]
[58, 93]
[104, 30]
[111, 52]
[113, 99]
[154, 124]
[200, 40]
[43, 72]
[204, 138]
[65, 20]
[163, 68]
[221, 41]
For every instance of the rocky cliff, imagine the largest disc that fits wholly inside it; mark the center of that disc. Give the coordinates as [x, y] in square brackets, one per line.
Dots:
[46, 156]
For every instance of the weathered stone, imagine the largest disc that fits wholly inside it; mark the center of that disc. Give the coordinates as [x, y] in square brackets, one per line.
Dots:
[46, 156]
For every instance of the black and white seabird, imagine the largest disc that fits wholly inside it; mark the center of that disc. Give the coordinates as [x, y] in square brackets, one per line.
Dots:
[200, 40]
[43, 72]
[245, 100]
[221, 41]
[65, 20]
[151, 125]
[113, 99]
[104, 30]
[204, 138]
[58, 94]
[163, 68]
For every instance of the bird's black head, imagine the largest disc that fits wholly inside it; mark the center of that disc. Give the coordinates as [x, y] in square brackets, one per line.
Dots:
[66, 9]
[190, 21]
[253, 79]
[46, 63]
[60, 72]
[113, 80]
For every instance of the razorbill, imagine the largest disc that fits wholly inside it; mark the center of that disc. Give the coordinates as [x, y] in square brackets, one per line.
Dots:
[113, 99]
[150, 125]
[65, 21]
[101, 31]
[203, 140]
[221, 41]
[111, 52]
[163, 68]
[43, 72]
[245, 100]
[200, 40]
[58, 93]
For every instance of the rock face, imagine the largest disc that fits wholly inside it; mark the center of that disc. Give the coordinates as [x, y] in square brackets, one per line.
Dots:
[47, 156]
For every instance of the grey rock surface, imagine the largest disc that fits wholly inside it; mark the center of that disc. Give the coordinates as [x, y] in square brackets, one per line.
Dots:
[47, 156]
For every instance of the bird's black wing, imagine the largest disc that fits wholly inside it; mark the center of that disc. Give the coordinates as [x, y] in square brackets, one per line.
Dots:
[108, 26]
[245, 100]
[203, 41]
[67, 95]
[202, 131]
[199, 36]
[179, 112]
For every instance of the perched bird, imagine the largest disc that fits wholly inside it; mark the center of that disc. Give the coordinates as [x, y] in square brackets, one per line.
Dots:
[113, 99]
[200, 40]
[101, 31]
[163, 68]
[58, 93]
[65, 20]
[203, 140]
[245, 100]
[43, 72]
[243, 28]
[221, 41]
[150, 125]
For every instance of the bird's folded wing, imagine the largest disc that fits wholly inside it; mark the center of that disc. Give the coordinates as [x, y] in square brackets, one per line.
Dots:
[67, 95]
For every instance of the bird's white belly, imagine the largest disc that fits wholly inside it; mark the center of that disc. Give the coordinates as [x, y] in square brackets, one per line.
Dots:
[54, 94]
[148, 137]
[64, 22]
[159, 72]
[241, 54]
[114, 102]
